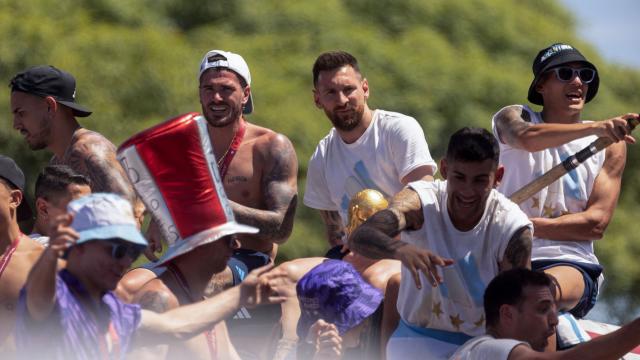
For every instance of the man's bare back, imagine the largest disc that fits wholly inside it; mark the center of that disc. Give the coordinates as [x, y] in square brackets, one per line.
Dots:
[11, 281]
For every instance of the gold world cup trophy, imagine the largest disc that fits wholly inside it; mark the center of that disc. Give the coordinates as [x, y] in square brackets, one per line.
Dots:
[364, 204]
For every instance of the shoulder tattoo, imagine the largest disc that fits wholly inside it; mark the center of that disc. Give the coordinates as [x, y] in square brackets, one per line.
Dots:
[518, 251]
[155, 301]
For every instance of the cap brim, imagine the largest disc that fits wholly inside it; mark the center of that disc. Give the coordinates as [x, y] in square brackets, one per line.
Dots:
[129, 233]
[204, 237]
[78, 110]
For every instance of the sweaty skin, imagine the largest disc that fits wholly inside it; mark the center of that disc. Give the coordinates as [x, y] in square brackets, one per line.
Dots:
[12, 280]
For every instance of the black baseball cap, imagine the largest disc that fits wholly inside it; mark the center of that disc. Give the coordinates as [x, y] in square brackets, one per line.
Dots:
[46, 80]
[10, 172]
[554, 56]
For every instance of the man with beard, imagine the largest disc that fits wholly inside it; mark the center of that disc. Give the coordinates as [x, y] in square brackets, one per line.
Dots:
[43, 102]
[258, 166]
[18, 252]
[366, 148]
[456, 235]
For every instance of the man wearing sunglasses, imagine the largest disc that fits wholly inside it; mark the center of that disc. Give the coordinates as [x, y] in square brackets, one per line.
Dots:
[73, 314]
[574, 211]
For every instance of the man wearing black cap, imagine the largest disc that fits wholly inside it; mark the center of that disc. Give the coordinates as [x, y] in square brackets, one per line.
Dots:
[44, 112]
[18, 252]
[571, 213]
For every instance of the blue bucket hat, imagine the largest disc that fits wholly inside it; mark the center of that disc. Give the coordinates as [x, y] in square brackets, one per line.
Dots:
[335, 292]
[102, 216]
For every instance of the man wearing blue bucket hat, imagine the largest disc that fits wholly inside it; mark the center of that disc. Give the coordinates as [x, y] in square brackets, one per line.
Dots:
[73, 314]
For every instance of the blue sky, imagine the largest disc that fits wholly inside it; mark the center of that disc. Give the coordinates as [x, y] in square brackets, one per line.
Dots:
[611, 26]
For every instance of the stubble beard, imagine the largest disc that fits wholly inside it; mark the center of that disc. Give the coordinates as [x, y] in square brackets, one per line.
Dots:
[346, 122]
[38, 141]
[220, 122]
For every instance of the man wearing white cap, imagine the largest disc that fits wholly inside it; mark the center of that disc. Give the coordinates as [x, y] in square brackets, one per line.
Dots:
[258, 167]
[73, 314]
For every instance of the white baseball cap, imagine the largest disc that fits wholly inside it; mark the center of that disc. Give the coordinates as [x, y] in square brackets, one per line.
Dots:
[228, 60]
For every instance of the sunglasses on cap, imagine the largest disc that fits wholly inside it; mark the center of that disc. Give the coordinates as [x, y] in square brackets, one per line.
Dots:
[566, 74]
[119, 250]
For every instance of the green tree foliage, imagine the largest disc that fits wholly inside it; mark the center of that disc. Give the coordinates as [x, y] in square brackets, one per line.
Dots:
[448, 63]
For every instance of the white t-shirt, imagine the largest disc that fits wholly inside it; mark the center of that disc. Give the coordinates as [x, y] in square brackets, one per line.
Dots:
[567, 195]
[457, 304]
[486, 347]
[390, 148]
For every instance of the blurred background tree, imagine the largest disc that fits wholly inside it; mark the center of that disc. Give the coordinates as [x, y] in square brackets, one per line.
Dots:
[448, 63]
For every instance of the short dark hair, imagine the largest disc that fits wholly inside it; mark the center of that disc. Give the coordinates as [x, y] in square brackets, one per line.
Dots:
[333, 60]
[471, 144]
[507, 288]
[53, 181]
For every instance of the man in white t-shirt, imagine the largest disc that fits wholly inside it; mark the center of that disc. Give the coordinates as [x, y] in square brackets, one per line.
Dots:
[521, 315]
[574, 211]
[365, 149]
[475, 231]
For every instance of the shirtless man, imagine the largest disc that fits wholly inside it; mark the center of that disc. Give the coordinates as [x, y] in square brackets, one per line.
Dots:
[19, 252]
[258, 168]
[44, 112]
[187, 275]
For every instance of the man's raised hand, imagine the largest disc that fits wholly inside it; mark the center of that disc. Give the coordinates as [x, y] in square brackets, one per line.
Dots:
[418, 260]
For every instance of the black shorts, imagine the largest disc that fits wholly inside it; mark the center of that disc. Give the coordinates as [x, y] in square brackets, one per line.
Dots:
[590, 274]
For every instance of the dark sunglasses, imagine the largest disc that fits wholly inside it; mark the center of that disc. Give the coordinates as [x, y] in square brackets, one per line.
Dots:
[119, 250]
[566, 74]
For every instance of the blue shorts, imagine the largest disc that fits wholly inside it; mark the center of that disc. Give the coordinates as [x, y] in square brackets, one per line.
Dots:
[243, 261]
[590, 274]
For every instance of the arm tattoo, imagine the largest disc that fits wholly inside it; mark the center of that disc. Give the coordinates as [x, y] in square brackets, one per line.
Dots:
[510, 122]
[408, 209]
[518, 251]
[97, 160]
[374, 238]
[280, 194]
[155, 301]
[334, 226]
